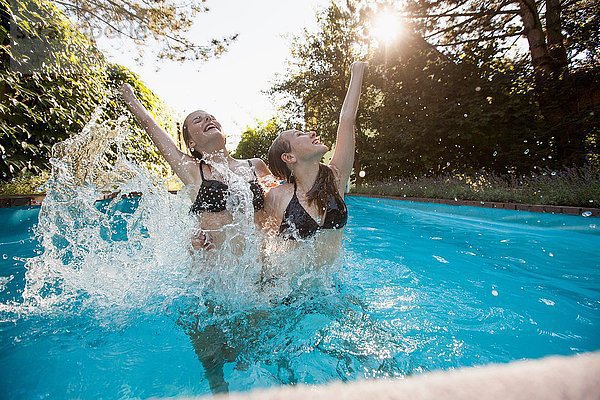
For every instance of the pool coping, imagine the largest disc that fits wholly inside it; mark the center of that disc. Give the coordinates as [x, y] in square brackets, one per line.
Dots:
[33, 200]
[568, 210]
[556, 377]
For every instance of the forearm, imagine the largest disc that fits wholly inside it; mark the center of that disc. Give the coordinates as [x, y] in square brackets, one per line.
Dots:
[350, 105]
[343, 156]
[161, 139]
[158, 135]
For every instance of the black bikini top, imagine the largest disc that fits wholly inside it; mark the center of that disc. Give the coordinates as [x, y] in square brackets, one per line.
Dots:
[297, 222]
[212, 195]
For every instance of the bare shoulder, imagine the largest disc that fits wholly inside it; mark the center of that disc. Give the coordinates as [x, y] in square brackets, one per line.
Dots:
[278, 197]
[284, 190]
[190, 167]
[260, 167]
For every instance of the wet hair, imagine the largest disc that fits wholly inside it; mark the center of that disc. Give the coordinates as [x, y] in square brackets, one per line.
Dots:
[186, 139]
[324, 185]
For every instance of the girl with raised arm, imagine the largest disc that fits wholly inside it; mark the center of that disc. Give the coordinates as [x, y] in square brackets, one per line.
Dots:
[312, 200]
[203, 135]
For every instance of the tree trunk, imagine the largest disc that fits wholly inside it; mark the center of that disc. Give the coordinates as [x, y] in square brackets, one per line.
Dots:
[555, 97]
[556, 46]
[542, 63]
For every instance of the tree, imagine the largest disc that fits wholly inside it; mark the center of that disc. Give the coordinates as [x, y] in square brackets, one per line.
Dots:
[165, 21]
[422, 112]
[51, 80]
[255, 142]
[560, 37]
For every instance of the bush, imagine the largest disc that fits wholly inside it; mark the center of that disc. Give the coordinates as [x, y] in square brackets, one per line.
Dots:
[570, 187]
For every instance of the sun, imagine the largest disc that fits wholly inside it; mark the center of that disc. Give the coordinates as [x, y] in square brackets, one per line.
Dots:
[385, 27]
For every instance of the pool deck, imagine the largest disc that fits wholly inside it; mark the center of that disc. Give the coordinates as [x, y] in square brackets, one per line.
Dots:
[36, 200]
[551, 378]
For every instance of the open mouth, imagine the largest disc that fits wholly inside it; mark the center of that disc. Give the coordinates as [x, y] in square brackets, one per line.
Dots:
[210, 126]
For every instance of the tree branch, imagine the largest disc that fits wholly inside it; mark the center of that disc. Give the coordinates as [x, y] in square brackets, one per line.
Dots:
[95, 16]
[482, 39]
[466, 14]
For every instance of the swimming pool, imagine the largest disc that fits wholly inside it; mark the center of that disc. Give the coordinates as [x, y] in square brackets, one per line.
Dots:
[422, 287]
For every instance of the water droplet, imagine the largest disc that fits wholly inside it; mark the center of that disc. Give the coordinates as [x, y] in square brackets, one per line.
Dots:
[441, 259]
[551, 254]
[5, 256]
[591, 201]
[553, 173]
[495, 153]
[478, 89]
[547, 302]
[526, 151]
[494, 292]
[465, 115]
[586, 214]
[362, 174]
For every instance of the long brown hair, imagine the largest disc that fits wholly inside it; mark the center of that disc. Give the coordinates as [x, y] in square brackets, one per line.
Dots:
[324, 185]
[186, 139]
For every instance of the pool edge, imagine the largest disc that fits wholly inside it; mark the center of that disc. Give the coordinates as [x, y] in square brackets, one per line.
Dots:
[568, 210]
[37, 199]
[549, 378]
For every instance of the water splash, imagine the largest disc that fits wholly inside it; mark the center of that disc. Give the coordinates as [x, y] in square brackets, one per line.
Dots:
[134, 254]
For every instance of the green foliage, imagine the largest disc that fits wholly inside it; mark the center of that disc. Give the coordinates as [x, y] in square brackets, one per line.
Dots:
[26, 183]
[255, 142]
[421, 112]
[313, 90]
[438, 116]
[51, 80]
[562, 46]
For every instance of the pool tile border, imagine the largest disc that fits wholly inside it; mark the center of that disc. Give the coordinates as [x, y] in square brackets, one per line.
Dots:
[36, 200]
[595, 212]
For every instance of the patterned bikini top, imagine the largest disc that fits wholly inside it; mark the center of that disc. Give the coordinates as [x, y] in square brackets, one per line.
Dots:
[212, 195]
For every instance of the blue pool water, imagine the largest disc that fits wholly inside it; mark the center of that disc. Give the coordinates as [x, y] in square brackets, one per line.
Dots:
[422, 287]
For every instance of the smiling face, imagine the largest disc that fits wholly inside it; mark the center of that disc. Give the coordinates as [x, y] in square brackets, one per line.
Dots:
[293, 147]
[202, 132]
[305, 146]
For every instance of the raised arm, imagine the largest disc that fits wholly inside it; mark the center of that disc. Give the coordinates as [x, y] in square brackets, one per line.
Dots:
[343, 155]
[182, 164]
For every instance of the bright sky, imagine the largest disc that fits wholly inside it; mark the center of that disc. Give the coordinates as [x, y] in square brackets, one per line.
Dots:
[229, 87]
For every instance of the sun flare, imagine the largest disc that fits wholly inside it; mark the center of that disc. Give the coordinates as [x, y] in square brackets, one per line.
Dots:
[386, 27]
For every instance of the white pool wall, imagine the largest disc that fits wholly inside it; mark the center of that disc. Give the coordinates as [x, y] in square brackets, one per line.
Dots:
[556, 377]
